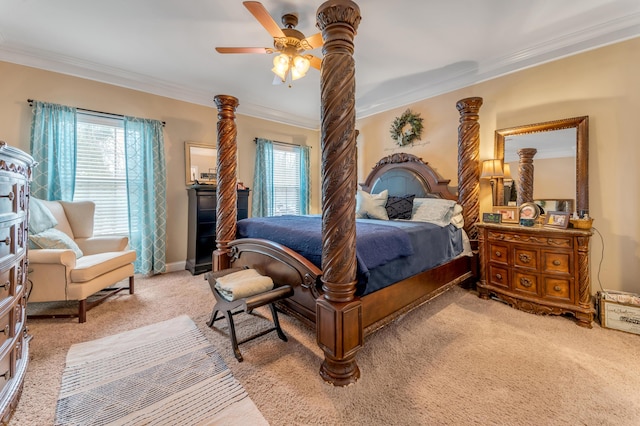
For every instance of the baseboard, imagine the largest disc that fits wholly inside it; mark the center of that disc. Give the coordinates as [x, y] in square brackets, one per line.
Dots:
[176, 266]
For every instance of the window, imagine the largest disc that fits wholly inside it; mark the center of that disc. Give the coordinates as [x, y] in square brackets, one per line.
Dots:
[286, 180]
[101, 174]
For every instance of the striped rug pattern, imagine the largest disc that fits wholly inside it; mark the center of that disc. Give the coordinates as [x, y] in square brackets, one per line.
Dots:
[163, 374]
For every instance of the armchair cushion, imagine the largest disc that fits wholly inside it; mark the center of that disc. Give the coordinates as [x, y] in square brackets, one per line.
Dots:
[40, 217]
[90, 267]
[54, 239]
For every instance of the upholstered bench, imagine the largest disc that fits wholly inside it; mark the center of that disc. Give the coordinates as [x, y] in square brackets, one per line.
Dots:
[238, 290]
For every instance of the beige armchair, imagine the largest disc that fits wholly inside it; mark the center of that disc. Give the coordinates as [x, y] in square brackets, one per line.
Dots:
[65, 274]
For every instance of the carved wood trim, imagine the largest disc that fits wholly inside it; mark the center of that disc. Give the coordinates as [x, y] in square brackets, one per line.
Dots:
[468, 163]
[226, 191]
[338, 325]
[402, 160]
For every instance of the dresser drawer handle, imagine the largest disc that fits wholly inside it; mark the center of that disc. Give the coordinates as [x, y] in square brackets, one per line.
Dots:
[556, 262]
[526, 282]
[7, 241]
[6, 285]
[557, 288]
[524, 258]
[10, 196]
[6, 375]
[498, 254]
[499, 276]
[6, 330]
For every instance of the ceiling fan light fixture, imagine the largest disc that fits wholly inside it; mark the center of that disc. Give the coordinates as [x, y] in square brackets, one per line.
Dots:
[300, 67]
[281, 65]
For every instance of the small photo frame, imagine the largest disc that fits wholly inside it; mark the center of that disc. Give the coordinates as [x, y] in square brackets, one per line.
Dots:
[529, 211]
[491, 217]
[557, 220]
[509, 214]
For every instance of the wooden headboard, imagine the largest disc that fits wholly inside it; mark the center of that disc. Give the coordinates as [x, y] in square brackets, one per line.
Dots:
[403, 174]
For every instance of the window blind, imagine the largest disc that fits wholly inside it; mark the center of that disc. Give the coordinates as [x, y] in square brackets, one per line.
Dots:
[286, 180]
[101, 172]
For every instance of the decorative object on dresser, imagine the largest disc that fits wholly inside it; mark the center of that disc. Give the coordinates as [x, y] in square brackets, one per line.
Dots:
[15, 173]
[537, 269]
[201, 238]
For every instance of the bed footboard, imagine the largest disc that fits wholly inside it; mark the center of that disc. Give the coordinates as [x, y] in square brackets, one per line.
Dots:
[285, 267]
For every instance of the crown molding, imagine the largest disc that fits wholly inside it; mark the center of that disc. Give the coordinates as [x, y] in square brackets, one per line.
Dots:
[577, 42]
[611, 32]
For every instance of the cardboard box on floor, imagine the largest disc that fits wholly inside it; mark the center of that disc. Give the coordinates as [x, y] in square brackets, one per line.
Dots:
[619, 310]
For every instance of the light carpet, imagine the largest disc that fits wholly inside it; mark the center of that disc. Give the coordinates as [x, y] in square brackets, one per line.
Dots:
[163, 374]
[458, 360]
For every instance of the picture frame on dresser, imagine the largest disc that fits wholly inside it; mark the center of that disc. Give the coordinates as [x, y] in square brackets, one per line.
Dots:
[509, 214]
[558, 220]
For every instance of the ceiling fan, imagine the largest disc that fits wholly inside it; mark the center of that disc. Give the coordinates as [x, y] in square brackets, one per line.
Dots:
[288, 42]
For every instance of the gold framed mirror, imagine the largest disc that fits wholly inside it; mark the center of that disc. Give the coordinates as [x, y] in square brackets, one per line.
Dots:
[566, 142]
[200, 163]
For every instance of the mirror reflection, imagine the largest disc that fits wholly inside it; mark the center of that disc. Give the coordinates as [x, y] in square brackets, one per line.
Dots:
[200, 163]
[554, 164]
[556, 172]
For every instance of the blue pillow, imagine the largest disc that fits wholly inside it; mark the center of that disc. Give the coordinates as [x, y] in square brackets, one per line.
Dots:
[55, 239]
[40, 217]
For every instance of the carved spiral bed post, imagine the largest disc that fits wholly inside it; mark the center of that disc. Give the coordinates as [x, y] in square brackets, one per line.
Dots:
[468, 163]
[339, 329]
[226, 194]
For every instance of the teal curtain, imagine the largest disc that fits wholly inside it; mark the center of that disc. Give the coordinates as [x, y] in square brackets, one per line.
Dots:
[53, 146]
[305, 184]
[146, 186]
[262, 195]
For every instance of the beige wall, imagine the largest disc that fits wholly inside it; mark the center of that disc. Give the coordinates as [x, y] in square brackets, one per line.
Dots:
[603, 84]
[184, 122]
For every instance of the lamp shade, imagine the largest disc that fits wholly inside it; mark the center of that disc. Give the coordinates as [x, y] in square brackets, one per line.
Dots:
[507, 171]
[492, 169]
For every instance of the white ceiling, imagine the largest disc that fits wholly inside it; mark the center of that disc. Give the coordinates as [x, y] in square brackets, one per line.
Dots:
[405, 50]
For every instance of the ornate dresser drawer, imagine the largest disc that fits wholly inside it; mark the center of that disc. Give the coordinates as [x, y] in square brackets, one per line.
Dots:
[536, 269]
[15, 174]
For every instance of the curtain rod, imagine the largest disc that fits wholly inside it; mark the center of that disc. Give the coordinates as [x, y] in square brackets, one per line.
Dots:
[255, 140]
[30, 101]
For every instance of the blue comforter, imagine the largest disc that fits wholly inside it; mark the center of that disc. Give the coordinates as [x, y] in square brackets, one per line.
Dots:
[386, 251]
[376, 244]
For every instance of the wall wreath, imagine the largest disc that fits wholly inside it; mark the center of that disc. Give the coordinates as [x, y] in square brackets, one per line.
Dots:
[406, 128]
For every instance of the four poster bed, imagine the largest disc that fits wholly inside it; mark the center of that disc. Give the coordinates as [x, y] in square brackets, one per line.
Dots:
[329, 295]
[400, 282]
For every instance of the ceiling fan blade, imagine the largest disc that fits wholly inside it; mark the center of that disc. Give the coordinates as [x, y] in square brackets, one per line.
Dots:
[244, 50]
[312, 42]
[257, 9]
[314, 61]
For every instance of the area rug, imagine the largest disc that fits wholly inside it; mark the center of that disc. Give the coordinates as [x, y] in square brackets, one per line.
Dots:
[163, 374]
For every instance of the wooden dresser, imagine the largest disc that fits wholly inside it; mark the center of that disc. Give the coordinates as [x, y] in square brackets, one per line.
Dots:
[537, 269]
[15, 173]
[201, 240]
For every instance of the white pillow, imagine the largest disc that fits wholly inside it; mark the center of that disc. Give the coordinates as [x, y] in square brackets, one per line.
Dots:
[371, 206]
[434, 210]
[457, 219]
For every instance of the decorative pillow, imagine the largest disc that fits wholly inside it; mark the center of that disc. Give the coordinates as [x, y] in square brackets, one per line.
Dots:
[371, 206]
[40, 217]
[400, 207]
[434, 210]
[55, 239]
[457, 219]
